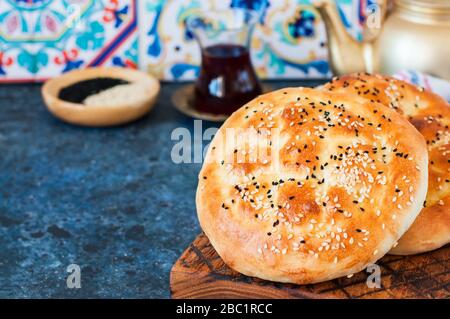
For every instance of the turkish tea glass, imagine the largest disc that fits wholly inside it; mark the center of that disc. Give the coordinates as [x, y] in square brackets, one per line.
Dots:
[227, 79]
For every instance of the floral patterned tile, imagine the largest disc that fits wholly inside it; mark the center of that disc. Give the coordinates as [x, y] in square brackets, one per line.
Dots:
[50, 37]
[43, 38]
[289, 42]
[18, 22]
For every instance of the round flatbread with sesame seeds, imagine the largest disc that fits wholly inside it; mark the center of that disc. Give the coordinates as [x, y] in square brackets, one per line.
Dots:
[430, 114]
[302, 185]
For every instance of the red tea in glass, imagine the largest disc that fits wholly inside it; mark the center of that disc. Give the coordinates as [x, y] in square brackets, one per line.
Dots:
[227, 79]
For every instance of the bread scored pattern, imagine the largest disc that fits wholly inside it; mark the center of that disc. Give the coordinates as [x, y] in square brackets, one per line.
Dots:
[329, 187]
[430, 114]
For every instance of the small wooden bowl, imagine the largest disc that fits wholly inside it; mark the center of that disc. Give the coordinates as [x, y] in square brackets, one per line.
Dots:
[81, 114]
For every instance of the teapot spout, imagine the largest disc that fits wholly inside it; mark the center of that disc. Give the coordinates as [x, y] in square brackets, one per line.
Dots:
[346, 55]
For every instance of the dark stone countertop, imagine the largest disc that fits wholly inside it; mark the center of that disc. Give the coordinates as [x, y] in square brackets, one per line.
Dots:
[109, 200]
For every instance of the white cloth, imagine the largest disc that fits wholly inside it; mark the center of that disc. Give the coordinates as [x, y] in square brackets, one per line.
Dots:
[434, 84]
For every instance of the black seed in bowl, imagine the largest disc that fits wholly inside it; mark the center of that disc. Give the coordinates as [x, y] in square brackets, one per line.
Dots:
[79, 91]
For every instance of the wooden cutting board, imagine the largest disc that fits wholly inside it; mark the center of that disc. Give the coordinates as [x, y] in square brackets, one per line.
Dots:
[201, 273]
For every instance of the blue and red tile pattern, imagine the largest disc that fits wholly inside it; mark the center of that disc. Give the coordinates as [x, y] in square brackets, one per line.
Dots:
[40, 39]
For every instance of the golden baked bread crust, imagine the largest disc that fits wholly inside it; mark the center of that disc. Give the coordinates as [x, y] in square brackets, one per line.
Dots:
[430, 114]
[336, 182]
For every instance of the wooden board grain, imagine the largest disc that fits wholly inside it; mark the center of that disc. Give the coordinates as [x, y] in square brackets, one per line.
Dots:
[201, 273]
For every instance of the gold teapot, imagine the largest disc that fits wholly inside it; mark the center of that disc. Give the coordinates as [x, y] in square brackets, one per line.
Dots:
[399, 35]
